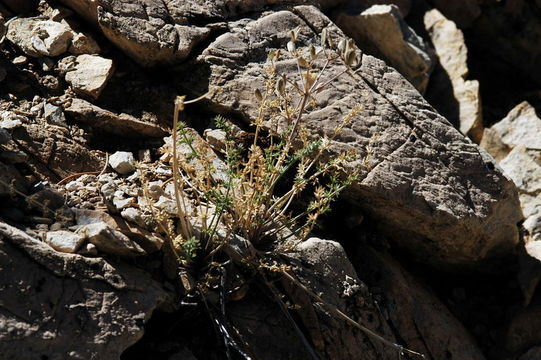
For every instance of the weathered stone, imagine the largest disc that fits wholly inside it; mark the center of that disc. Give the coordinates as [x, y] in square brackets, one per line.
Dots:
[109, 240]
[109, 122]
[64, 241]
[39, 37]
[59, 306]
[433, 191]
[90, 75]
[451, 50]
[524, 329]
[122, 162]
[381, 31]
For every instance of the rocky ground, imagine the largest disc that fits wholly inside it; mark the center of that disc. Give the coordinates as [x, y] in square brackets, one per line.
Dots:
[435, 247]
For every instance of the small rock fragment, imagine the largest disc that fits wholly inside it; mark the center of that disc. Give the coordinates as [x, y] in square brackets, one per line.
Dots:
[110, 241]
[64, 241]
[122, 162]
[90, 75]
[54, 115]
[133, 215]
[19, 60]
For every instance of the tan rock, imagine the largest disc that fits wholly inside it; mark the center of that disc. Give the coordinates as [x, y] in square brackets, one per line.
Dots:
[90, 75]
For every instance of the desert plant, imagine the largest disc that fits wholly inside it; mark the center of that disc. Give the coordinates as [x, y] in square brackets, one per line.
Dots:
[235, 207]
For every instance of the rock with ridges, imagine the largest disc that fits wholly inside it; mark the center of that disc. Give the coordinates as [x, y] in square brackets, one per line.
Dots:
[55, 304]
[434, 192]
[381, 31]
[90, 74]
[122, 162]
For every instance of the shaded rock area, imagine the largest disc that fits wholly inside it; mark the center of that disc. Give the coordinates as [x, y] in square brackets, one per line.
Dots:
[434, 250]
[59, 306]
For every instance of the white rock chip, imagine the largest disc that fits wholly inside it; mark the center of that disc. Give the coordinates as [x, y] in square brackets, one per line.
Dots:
[9, 120]
[109, 240]
[122, 162]
[64, 241]
[90, 75]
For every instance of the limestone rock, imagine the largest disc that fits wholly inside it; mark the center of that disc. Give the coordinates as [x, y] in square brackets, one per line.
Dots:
[109, 122]
[110, 241]
[64, 241]
[58, 305]
[381, 31]
[39, 37]
[90, 75]
[451, 50]
[434, 192]
[122, 162]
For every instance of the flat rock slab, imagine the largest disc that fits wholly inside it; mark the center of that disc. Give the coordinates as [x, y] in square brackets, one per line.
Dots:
[60, 306]
[434, 192]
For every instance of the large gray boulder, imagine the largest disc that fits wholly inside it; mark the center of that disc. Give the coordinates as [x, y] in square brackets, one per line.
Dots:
[433, 191]
[65, 306]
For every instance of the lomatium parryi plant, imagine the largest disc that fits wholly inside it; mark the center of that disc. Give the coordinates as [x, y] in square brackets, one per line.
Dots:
[240, 206]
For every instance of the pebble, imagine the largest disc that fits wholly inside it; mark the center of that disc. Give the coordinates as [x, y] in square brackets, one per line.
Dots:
[20, 60]
[122, 162]
[133, 215]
